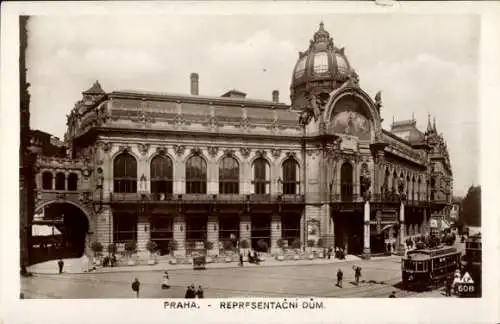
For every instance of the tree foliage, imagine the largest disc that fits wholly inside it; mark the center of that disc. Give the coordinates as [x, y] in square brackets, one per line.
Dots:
[470, 213]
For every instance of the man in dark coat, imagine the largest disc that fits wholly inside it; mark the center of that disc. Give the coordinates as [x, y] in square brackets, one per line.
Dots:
[357, 274]
[60, 263]
[340, 275]
[136, 286]
[448, 285]
[199, 292]
[190, 292]
[241, 259]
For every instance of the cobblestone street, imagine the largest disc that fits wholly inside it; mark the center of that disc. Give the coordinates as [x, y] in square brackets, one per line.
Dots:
[378, 279]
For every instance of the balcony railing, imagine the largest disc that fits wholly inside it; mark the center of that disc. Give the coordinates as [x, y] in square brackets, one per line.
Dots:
[207, 198]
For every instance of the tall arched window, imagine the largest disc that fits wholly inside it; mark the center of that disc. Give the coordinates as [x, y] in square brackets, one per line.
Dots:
[394, 182]
[47, 180]
[161, 172]
[260, 176]
[291, 183]
[125, 173]
[60, 181]
[229, 176]
[72, 182]
[414, 189]
[407, 184]
[346, 182]
[196, 175]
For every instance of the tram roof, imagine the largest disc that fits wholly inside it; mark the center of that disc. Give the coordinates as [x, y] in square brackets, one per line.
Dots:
[430, 253]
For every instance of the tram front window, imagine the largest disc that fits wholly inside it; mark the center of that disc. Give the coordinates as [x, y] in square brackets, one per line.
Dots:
[420, 266]
[410, 265]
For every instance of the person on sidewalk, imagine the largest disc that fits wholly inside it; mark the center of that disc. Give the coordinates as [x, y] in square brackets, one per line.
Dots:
[392, 295]
[448, 284]
[60, 264]
[136, 286]
[340, 275]
[357, 274]
[241, 259]
[165, 283]
[190, 292]
[199, 292]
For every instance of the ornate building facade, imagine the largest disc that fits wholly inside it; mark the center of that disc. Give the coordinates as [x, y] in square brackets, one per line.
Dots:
[155, 166]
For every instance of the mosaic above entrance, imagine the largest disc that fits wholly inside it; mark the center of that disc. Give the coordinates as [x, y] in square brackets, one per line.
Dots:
[351, 123]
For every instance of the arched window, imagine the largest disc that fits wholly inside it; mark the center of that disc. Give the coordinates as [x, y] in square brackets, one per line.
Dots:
[291, 183]
[346, 183]
[394, 182]
[73, 182]
[196, 175]
[161, 172]
[47, 180]
[229, 176]
[125, 174]
[60, 181]
[260, 176]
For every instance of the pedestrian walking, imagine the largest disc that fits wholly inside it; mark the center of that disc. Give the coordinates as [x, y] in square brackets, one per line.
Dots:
[165, 284]
[392, 295]
[340, 275]
[241, 259]
[199, 292]
[60, 264]
[357, 274]
[448, 285]
[136, 286]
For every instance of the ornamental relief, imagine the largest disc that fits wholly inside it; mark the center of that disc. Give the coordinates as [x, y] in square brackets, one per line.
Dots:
[229, 152]
[245, 152]
[179, 149]
[213, 150]
[143, 148]
[161, 150]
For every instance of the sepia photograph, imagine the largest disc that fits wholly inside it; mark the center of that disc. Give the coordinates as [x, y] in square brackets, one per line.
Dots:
[230, 156]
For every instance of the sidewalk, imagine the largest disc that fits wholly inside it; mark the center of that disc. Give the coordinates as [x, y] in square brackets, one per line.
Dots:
[50, 267]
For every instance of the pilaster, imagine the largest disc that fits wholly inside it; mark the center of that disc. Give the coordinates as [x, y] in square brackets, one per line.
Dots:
[213, 232]
[366, 238]
[143, 233]
[275, 231]
[180, 234]
[104, 226]
[402, 228]
[245, 228]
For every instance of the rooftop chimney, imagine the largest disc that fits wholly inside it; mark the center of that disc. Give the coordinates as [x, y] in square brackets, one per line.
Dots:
[276, 96]
[194, 84]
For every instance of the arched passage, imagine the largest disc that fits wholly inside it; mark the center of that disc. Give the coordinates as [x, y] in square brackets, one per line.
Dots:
[59, 231]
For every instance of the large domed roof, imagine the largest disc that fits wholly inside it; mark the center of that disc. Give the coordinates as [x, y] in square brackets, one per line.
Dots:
[322, 66]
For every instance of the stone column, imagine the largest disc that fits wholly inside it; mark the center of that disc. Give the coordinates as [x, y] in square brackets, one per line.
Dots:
[53, 182]
[402, 228]
[143, 233]
[104, 226]
[366, 240]
[302, 225]
[213, 233]
[180, 234]
[245, 228]
[275, 232]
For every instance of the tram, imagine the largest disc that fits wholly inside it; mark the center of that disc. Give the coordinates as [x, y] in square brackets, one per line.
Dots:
[471, 263]
[426, 268]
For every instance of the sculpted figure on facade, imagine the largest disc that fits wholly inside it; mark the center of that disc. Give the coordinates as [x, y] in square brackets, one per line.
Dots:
[229, 152]
[143, 148]
[245, 152]
[179, 149]
[196, 151]
[213, 150]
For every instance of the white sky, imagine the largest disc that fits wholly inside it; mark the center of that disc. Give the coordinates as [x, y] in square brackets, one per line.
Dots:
[422, 63]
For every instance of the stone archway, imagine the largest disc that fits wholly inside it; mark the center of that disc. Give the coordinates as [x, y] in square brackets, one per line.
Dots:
[60, 230]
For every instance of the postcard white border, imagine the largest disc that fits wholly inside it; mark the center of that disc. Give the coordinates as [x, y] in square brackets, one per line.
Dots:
[337, 310]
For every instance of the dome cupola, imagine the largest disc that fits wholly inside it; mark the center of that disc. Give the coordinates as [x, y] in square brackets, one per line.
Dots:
[322, 68]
